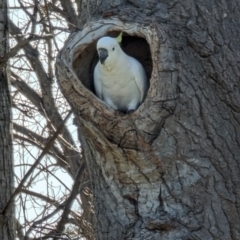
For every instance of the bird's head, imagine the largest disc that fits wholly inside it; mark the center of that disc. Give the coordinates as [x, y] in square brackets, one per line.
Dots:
[109, 50]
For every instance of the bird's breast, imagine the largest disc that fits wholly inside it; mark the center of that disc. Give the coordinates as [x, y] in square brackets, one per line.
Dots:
[121, 89]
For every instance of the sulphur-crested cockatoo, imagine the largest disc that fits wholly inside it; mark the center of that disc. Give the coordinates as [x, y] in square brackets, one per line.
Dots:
[119, 79]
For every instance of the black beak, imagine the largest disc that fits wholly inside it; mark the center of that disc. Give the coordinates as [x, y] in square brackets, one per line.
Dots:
[103, 54]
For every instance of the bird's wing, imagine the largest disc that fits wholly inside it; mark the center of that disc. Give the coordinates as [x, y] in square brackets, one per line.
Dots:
[140, 78]
[97, 82]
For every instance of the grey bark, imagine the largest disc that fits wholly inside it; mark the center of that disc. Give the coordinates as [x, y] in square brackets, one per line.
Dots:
[6, 160]
[170, 170]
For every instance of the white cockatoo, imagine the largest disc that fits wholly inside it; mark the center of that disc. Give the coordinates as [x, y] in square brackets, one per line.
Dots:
[119, 79]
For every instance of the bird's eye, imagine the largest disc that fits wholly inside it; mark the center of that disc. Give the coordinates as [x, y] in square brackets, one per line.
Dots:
[113, 48]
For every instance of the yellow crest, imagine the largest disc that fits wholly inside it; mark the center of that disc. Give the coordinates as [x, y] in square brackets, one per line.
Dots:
[119, 38]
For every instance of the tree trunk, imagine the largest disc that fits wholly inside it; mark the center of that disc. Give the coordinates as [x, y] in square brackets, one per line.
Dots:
[171, 169]
[6, 160]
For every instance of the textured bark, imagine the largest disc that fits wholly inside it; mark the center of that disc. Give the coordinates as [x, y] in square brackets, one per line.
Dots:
[170, 170]
[6, 161]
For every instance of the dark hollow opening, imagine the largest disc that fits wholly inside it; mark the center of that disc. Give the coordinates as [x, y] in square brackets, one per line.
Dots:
[134, 46]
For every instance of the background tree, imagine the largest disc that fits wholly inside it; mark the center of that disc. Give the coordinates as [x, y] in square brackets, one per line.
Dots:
[6, 160]
[45, 150]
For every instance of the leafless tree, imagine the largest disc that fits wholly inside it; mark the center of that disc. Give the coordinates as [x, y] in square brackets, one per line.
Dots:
[52, 191]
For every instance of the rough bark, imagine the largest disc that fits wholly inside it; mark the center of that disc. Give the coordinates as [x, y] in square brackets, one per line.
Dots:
[170, 170]
[6, 160]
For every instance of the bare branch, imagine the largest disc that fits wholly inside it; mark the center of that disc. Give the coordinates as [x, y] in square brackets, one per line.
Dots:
[71, 14]
[75, 191]
[34, 16]
[40, 142]
[49, 107]
[27, 91]
[66, 206]
[46, 149]
[19, 229]
[13, 51]
[50, 200]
